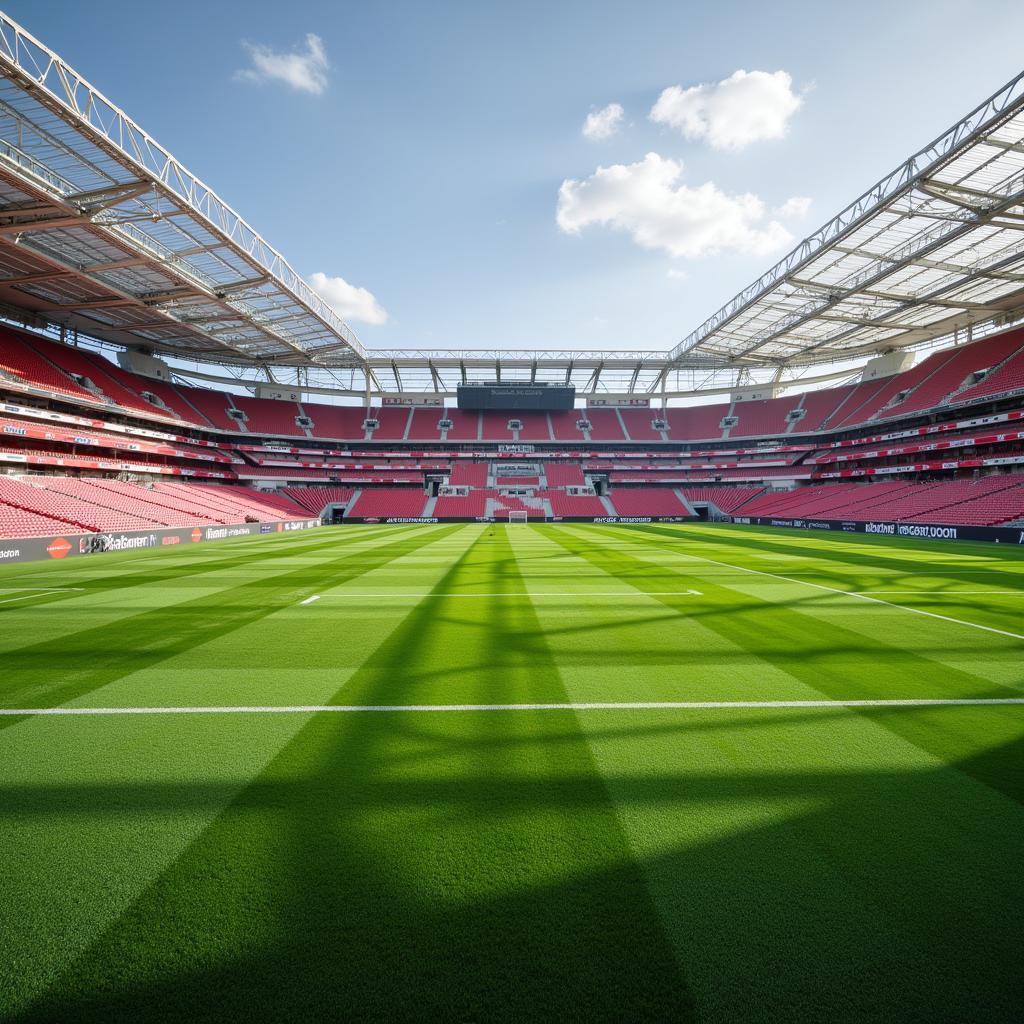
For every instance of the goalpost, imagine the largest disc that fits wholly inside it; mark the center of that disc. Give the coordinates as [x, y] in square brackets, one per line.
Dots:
[518, 516]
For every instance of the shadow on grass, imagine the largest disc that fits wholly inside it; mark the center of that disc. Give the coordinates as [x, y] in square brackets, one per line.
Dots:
[475, 868]
[48, 674]
[824, 550]
[338, 887]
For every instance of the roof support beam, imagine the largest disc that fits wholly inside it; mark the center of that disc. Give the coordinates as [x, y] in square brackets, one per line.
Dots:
[226, 290]
[866, 279]
[125, 264]
[20, 225]
[43, 275]
[104, 198]
[886, 196]
[109, 303]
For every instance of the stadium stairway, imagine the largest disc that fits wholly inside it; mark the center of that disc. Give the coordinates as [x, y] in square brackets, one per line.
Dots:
[799, 407]
[690, 511]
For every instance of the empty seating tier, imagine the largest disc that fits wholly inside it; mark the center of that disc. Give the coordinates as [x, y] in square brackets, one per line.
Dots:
[465, 425]
[605, 425]
[563, 474]
[696, 422]
[638, 424]
[468, 474]
[818, 406]
[534, 426]
[984, 502]
[388, 502]
[767, 416]
[391, 422]
[952, 371]
[727, 499]
[424, 424]
[269, 416]
[211, 404]
[26, 366]
[563, 425]
[466, 506]
[647, 501]
[564, 504]
[316, 499]
[495, 426]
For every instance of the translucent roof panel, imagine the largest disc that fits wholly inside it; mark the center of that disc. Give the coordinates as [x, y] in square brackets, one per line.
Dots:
[939, 240]
[93, 198]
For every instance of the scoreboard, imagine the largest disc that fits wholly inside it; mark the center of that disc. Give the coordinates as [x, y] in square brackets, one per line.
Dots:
[516, 395]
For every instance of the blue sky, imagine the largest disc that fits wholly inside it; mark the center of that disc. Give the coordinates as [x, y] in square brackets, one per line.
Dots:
[422, 156]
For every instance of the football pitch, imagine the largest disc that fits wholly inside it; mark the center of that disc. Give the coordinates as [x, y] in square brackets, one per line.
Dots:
[508, 773]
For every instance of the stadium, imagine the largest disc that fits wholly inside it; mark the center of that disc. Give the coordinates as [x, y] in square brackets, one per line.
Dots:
[344, 682]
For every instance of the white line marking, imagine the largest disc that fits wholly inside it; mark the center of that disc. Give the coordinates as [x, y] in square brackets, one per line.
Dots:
[568, 593]
[18, 590]
[851, 593]
[311, 599]
[37, 592]
[944, 593]
[667, 705]
[899, 574]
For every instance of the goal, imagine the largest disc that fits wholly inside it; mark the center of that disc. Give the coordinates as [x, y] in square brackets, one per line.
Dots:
[518, 516]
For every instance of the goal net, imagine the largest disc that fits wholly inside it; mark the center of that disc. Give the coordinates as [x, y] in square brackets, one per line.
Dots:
[518, 517]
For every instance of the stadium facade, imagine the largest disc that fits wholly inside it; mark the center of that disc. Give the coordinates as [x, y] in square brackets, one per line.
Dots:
[165, 373]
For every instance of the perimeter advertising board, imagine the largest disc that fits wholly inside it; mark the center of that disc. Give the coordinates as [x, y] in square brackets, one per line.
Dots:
[919, 531]
[533, 519]
[73, 545]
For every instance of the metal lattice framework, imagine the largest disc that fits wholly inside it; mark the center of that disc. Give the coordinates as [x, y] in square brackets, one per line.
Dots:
[104, 232]
[934, 246]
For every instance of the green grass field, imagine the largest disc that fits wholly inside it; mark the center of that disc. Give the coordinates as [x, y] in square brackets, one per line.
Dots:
[777, 861]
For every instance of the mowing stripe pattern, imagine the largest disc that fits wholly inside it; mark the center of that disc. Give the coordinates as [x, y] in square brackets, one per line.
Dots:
[476, 773]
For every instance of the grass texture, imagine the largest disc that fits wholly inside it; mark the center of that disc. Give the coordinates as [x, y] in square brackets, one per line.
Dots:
[756, 864]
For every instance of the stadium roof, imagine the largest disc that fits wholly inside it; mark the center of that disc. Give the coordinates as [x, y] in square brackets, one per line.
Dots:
[936, 245]
[103, 231]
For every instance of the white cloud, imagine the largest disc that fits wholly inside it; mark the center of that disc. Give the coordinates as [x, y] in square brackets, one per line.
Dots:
[304, 70]
[603, 124]
[647, 200]
[794, 207]
[673, 274]
[746, 107]
[350, 302]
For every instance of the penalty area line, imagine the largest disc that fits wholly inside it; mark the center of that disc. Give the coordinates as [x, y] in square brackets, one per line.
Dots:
[942, 593]
[36, 592]
[18, 590]
[666, 705]
[852, 593]
[620, 594]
